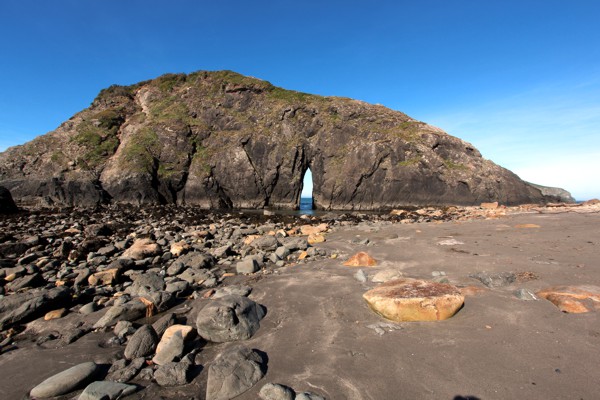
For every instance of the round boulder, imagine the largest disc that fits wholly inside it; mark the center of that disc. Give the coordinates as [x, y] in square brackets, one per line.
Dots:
[229, 318]
[414, 300]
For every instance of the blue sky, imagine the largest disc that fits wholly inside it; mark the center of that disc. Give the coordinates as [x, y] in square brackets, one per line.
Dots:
[518, 79]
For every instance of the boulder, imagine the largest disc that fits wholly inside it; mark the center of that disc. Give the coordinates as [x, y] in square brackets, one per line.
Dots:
[414, 300]
[171, 344]
[229, 318]
[65, 381]
[7, 204]
[275, 391]
[235, 371]
[173, 373]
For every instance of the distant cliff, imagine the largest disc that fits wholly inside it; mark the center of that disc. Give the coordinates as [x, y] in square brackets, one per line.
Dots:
[223, 140]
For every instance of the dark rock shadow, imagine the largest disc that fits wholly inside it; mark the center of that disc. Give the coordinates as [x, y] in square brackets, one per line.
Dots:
[459, 397]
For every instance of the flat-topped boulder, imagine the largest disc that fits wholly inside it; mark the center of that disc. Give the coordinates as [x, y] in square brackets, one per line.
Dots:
[414, 300]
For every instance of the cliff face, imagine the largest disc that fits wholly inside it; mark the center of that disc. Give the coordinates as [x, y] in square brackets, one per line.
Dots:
[223, 140]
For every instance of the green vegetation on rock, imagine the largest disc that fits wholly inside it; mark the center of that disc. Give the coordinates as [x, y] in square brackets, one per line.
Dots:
[98, 136]
[141, 150]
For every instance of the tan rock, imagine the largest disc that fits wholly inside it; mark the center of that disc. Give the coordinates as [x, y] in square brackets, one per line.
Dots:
[55, 314]
[303, 255]
[311, 229]
[471, 291]
[573, 299]
[386, 275]
[414, 300]
[179, 248]
[185, 331]
[398, 212]
[489, 206]
[141, 249]
[361, 259]
[315, 238]
[106, 277]
[10, 277]
[250, 238]
[527, 226]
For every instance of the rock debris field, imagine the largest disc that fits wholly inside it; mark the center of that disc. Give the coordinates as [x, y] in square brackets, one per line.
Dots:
[481, 302]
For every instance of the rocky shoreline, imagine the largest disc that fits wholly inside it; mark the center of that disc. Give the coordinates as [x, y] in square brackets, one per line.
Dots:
[162, 297]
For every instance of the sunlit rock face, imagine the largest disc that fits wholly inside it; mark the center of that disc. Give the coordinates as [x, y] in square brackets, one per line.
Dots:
[223, 140]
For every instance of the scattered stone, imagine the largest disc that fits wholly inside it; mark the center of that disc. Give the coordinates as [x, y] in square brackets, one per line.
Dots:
[450, 242]
[173, 373]
[124, 371]
[106, 390]
[381, 327]
[106, 277]
[163, 323]
[55, 314]
[171, 344]
[414, 300]
[495, 279]
[386, 275]
[65, 381]
[234, 372]
[229, 318]
[489, 206]
[360, 259]
[179, 248]
[360, 276]
[130, 311]
[527, 226]
[265, 243]
[275, 391]
[314, 238]
[573, 299]
[247, 266]
[308, 230]
[525, 294]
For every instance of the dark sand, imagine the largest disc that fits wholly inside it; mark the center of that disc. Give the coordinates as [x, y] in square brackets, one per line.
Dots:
[317, 332]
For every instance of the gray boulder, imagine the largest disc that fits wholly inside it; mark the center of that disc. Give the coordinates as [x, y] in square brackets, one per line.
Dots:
[28, 307]
[234, 372]
[129, 311]
[106, 390]
[142, 343]
[173, 373]
[124, 371]
[247, 266]
[266, 243]
[229, 318]
[65, 381]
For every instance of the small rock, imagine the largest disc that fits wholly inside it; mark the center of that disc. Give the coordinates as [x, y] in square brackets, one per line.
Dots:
[171, 344]
[247, 266]
[309, 396]
[142, 343]
[142, 248]
[275, 391]
[360, 276]
[386, 275]
[124, 371]
[525, 294]
[450, 242]
[55, 314]
[360, 259]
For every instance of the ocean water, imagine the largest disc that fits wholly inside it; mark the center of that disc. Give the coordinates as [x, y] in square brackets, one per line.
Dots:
[306, 205]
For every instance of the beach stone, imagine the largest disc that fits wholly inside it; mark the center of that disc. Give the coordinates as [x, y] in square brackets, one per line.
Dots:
[197, 260]
[495, 279]
[172, 373]
[106, 277]
[282, 252]
[171, 344]
[65, 381]
[145, 284]
[573, 299]
[234, 372]
[124, 371]
[142, 343]
[265, 243]
[314, 238]
[275, 391]
[450, 242]
[295, 243]
[142, 248]
[360, 276]
[130, 311]
[525, 294]
[179, 248]
[308, 230]
[229, 318]
[247, 266]
[55, 314]
[414, 300]
[239, 290]
[163, 323]
[360, 259]
[106, 390]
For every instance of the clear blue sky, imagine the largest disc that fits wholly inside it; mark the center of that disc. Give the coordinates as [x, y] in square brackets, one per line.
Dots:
[518, 79]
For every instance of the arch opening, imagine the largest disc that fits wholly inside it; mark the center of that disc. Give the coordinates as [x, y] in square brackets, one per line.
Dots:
[306, 193]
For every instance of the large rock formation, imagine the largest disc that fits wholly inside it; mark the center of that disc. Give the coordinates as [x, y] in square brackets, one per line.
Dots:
[222, 140]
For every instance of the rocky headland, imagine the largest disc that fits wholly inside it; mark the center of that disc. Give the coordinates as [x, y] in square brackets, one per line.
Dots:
[223, 140]
[172, 302]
